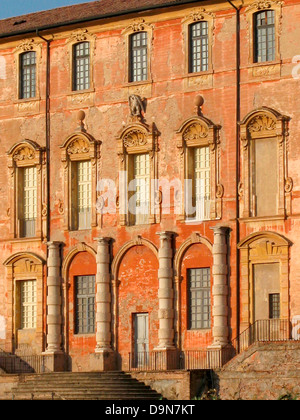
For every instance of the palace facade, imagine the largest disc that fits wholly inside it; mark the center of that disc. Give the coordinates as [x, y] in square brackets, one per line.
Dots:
[198, 95]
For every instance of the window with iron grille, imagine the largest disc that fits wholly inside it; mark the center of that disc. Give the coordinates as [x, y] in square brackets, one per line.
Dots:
[265, 41]
[28, 205]
[274, 304]
[85, 304]
[199, 298]
[81, 75]
[138, 66]
[28, 304]
[28, 75]
[198, 47]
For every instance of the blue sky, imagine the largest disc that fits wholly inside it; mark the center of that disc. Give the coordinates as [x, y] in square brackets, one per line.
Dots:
[9, 8]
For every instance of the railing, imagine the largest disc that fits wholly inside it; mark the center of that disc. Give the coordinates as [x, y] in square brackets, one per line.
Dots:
[267, 330]
[14, 364]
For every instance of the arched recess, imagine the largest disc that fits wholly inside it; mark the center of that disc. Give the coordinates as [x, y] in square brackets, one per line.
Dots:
[80, 248]
[265, 249]
[136, 242]
[194, 239]
[20, 267]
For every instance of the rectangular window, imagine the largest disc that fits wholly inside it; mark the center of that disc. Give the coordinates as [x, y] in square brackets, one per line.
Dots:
[274, 305]
[265, 38]
[81, 77]
[85, 304]
[28, 75]
[28, 201]
[28, 304]
[198, 193]
[141, 176]
[198, 47]
[84, 194]
[199, 289]
[139, 57]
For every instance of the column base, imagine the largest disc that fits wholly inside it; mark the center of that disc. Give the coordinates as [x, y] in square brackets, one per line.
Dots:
[54, 361]
[166, 358]
[103, 360]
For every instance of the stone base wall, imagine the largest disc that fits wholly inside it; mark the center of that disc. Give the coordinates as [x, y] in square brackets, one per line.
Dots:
[173, 385]
[267, 371]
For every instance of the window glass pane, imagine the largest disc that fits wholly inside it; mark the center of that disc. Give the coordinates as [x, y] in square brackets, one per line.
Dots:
[82, 66]
[29, 204]
[28, 304]
[274, 304]
[264, 26]
[84, 194]
[142, 178]
[199, 298]
[85, 304]
[138, 57]
[28, 75]
[198, 47]
[202, 182]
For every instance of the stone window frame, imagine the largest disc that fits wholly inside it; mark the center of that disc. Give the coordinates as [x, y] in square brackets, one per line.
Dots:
[28, 45]
[136, 26]
[263, 248]
[198, 131]
[21, 267]
[251, 11]
[137, 138]
[198, 15]
[77, 37]
[78, 147]
[24, 154]
[258, 124]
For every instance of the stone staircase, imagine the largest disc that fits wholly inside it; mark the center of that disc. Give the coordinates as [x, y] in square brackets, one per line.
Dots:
[82, 386]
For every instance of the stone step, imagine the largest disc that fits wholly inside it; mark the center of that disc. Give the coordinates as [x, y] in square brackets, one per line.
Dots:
[78, 386]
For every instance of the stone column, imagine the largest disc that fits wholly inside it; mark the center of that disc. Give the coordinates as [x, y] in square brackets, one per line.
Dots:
[54, 300]
[220, 288]
[103, 359]
[54, 356]
[166, 298]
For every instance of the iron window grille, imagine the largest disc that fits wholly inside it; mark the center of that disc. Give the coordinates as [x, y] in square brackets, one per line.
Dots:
[199, 298]
[139, 57]
[85, 305]
[28, 75]
[81, 75]
[274, 305]
[198, 47]
[265, 40]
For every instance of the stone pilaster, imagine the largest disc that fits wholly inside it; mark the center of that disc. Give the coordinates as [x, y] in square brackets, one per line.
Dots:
[166, 292]
[54, 300]
[220, 288]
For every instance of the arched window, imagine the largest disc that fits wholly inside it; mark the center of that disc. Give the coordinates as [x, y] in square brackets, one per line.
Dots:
[198, 47]
[138, 57]
[81, 66]
[27, 75]
[264, 36]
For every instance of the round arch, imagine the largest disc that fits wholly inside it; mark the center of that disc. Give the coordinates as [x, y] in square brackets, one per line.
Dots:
[138, 241]
[81, 247]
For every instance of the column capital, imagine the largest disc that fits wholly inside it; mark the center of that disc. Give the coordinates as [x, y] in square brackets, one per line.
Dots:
[165, 235]
[221, 230]
[54, 244]
[102, 240]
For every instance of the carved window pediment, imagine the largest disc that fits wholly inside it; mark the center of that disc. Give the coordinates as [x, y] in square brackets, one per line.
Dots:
[25, 153]
[136, 138]
[79, 146]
